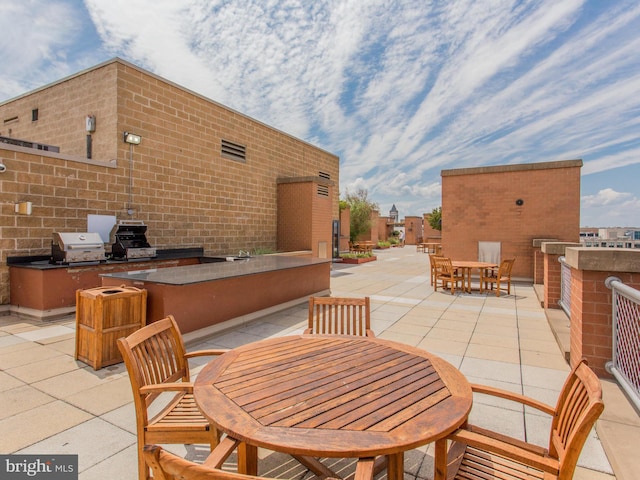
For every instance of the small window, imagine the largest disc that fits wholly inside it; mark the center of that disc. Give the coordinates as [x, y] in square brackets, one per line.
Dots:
[233, 151]
[34, 115]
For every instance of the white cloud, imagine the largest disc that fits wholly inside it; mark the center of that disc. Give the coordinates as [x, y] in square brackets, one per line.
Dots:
[400, 90]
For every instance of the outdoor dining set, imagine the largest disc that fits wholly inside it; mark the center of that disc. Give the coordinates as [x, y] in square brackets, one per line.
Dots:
[335, 391]
[454, 274]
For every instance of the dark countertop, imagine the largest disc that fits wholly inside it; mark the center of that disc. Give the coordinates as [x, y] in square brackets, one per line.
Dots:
[42, 262]
[218, 270]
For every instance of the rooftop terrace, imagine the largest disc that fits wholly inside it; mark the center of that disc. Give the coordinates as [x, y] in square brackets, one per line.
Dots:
[52, 404]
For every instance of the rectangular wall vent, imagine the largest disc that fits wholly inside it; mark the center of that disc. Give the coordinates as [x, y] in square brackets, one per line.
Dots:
[324, 175]
[233, 151]
[323, 190]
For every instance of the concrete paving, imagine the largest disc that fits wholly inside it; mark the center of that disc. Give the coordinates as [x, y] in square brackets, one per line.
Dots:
[50, 403]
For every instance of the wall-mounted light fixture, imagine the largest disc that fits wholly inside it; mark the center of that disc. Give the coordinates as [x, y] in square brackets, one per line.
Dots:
[519, 202]
[132, 138]
[24, 208]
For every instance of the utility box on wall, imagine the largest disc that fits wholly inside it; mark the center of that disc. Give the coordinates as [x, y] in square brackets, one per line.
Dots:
[104, 314]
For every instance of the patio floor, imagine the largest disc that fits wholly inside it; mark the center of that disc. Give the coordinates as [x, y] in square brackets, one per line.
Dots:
[49, 403]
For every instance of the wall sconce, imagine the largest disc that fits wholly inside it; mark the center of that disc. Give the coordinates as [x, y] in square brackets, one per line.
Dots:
[519, 202]
[132, 138]
[24, 208]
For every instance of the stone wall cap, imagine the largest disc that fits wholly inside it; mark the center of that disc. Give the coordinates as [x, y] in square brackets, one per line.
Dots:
[537, 242]
[557, 248]
[604, 259]
[512, 168]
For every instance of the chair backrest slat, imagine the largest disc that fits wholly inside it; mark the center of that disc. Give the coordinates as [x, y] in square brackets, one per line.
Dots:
[339, 316]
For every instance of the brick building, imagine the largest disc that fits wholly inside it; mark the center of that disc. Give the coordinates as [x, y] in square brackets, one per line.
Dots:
[202, 175]
[505, 208]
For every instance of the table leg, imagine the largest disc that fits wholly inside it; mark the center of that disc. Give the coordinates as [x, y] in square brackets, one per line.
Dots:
[395, 466]
[247, 459]
[440, 460]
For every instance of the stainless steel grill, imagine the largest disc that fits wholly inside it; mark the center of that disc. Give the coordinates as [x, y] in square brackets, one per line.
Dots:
[129, 241]
[83, 247]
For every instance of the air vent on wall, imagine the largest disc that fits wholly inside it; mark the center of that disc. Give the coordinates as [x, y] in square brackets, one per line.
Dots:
[233, 151]
[324, 175]
[323, 190]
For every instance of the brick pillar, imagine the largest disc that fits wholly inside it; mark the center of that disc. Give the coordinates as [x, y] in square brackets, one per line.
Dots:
[591, 327]
[552, 275]
[538, 259]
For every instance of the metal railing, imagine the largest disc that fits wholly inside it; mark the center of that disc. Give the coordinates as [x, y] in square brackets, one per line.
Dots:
[625, 365]
[565, 287]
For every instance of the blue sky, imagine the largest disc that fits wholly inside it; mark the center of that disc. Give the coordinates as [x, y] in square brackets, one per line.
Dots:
[400, 90]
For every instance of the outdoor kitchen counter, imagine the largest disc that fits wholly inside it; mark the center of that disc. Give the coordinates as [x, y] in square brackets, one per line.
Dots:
[42, 289]
[208, 294]
[205, 272]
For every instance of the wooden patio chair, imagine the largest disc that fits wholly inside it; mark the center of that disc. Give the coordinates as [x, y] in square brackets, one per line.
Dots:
[478, 453]
[448, 275]
[340, 316]
[433, 266]
[498, 276]
[157, 364]
[167, 466]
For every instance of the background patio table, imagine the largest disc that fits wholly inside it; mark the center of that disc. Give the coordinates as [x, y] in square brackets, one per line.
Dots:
[333, 396]
[467, 266]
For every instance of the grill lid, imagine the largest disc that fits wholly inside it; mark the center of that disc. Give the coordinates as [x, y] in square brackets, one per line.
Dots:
[77, 247]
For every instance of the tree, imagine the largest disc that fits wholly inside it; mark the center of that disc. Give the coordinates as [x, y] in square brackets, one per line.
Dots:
[361, 209]
[435, 219]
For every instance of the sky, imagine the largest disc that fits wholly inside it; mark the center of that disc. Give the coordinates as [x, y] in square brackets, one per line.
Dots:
[398, 89]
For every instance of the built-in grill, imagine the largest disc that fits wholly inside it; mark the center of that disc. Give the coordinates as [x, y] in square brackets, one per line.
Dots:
[73, 248]
[129, 241]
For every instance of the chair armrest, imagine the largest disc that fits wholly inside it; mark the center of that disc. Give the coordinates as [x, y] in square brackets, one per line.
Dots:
[220, 454]
[168, 387]
[511, 448]
[202, 353]
[514, 397]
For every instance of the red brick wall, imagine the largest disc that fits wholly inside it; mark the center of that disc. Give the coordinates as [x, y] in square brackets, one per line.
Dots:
[412, 229]
[592, 318]
[479, 204]
[552, 278]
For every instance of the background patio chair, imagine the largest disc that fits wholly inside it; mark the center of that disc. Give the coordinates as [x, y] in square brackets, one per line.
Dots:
[480, 453]
[446, 274]
[157, 364]
[432, 264]
[498, 276]
[340, 316]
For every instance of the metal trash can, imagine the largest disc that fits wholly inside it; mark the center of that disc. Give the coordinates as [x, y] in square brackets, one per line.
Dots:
[104, 314]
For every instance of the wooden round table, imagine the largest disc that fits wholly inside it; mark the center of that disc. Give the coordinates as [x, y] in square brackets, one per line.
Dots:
[333, 396]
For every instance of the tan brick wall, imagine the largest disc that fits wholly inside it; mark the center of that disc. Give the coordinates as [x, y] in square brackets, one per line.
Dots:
[412, 229]
[182, 187]
[479, 204]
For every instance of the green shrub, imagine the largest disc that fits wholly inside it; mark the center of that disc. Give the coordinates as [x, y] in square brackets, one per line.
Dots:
[356, 255]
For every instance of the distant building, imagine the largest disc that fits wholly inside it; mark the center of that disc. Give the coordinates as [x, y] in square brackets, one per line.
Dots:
[393, 214]
[610, 237]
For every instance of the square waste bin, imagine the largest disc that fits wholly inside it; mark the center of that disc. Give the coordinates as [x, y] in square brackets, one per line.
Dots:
[104, 314]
